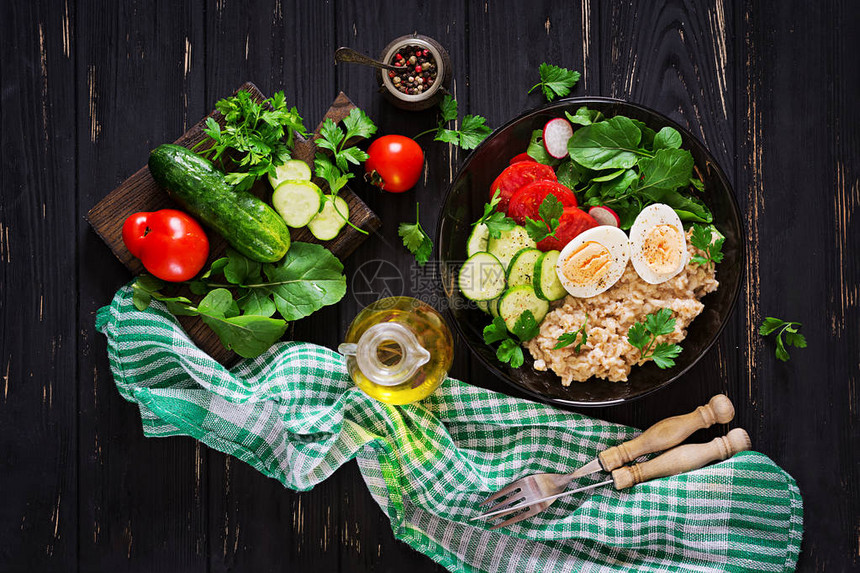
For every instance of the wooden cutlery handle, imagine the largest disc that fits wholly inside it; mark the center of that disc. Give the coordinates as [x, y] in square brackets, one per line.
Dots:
[683, 459]
[668, 433]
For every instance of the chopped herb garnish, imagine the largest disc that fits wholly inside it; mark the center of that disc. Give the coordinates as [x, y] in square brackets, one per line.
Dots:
[569, 338]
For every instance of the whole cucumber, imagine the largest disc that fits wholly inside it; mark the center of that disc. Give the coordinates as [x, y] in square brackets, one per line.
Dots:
[246, 222]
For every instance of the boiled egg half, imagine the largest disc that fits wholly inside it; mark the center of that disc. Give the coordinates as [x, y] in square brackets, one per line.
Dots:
[658, 245]
[593, 261]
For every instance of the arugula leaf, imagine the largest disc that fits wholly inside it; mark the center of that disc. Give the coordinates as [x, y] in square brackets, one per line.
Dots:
[610, 144]
[584, 116]
[537, 150]
[571, 174]
[257, 301]
[550, 211]
[471, 133]
[308, 278]
[416, 239]
[569, 338]
[667, 138]
[643, 335]
[703, 239]
[247, 335]
[667, 169]
[782, 327]
[555, 81]
[687, 208]
[240, 269]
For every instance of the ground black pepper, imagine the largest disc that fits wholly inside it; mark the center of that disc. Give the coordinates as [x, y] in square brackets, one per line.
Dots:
[419, 70]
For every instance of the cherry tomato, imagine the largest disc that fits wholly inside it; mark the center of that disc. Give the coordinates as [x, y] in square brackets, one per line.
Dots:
[526, 202]
[572, 222]
[170, 244]
[521, 157]
[394, 163]
[515, 176]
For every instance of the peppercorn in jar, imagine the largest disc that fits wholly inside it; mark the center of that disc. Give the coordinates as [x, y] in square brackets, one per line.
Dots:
[419, 70]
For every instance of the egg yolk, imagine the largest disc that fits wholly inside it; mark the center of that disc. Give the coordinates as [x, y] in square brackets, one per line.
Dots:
[661, 248]
[586, 265]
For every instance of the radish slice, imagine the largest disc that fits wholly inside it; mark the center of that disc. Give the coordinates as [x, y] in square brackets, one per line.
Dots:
[605, 216]
[556, 132]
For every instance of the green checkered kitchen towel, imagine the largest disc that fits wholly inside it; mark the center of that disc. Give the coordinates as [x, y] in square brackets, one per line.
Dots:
[294, 415]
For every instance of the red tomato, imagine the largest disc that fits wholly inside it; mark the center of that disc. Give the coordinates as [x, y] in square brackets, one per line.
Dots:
[520, 157]
[394, 163]
[572, 222]
[526, 202]
[169, 243]
[515, 176]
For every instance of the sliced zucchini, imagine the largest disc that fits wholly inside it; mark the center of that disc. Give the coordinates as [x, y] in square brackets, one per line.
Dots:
[509, 244]
[328, 222]
[493, 307]
[297, 202]
[522, 267]
[484, 305]
[519, 299]
[545, 280]
[482, 277]
[477, 240]
[291, 170]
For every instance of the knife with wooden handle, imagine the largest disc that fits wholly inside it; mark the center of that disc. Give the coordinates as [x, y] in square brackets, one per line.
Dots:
[663, 435]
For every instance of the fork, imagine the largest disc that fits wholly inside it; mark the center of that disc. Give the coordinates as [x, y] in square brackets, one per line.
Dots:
[661, 436]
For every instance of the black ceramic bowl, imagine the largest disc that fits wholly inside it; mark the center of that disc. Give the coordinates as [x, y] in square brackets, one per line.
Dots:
[464, 202]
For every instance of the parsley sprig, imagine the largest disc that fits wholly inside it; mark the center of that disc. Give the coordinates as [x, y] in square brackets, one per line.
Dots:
[550, 211]
[496, 221]
[510, 350]
[703, 238]
[335, 169]
[792, 338]
[257, 136]
[415, 239]
[555, 81]
[471, 133]
[643, 335]
[569, 338]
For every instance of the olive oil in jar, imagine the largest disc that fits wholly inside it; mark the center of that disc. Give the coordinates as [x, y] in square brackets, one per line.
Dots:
[398, 350]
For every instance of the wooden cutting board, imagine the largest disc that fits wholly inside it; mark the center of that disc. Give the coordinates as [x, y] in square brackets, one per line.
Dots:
[140, 192]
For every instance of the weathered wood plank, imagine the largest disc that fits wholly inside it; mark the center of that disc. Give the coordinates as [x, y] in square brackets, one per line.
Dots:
[140, 79]
[38, 342]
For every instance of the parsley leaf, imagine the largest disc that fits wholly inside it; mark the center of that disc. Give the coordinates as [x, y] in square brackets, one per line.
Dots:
[569, 338]
[471, 133]
[526, 327]
[510, 350]
[496, 331]
[792, 338]
[416, 239]
[703, 239]
[643, 335]
[550, 211]
[555, 81]
[495, 221]
[358, 124]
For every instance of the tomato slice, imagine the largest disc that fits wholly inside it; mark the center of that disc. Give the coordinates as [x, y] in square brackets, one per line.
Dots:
[572, 222]
[526, 202]
[515, 176]
[521, 157]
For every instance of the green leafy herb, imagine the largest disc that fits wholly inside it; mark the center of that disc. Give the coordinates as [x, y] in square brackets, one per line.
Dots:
[569, 338]
[667, 138]
[471, 133]
[496, 221]
[510, 350]
[792, 338]
[609, 144]
[550, 211]
[584, 116]
[335, 169]
[643, 335]
[257, 136]
[416, 239]
[555, 81]
[707, 239]
[537, 151]
[308, 278]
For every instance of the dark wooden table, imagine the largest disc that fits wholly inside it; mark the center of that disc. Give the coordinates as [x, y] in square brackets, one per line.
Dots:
[88, 88]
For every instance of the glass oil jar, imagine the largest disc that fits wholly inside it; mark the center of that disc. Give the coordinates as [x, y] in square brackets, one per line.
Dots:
[398, 350]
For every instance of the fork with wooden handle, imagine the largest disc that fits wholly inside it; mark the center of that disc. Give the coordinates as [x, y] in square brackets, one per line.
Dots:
[676, 461]
[661, 436]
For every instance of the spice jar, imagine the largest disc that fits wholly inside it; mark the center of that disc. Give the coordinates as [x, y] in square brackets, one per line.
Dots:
[426, 73]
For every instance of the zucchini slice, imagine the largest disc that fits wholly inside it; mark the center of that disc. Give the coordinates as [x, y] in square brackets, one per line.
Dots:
[326, 225]
[482, 277]
[477, 240]
[522, 267]
[509, 244]
[297, 201]
[519, 299]
[290, 170]
[545, 280]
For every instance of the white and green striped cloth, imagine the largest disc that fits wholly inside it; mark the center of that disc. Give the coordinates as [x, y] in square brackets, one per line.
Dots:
[294, 414]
